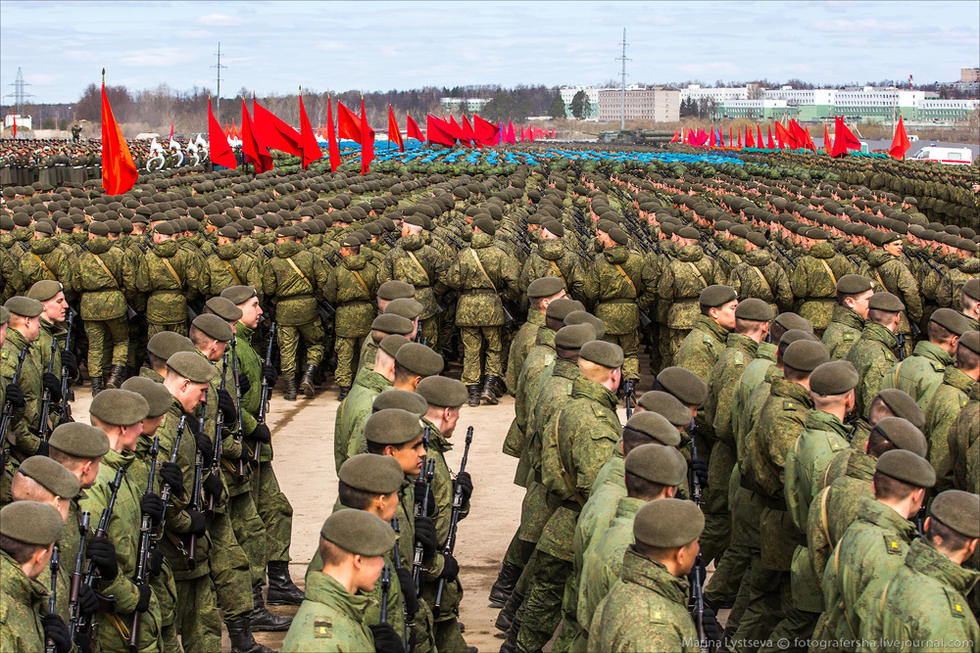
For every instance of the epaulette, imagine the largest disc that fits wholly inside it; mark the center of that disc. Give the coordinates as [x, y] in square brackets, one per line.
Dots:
[892, 545]
[848, 336]
[323, 628]
[955, 603]
[789, 404]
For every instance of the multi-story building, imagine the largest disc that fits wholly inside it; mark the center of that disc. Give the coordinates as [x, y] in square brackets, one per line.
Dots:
[470, 105]
[654, 104]
[720, 94]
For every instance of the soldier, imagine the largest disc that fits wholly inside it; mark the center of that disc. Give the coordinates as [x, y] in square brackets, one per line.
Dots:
[552, 258]
[850, 312]
[875, 352]
[293, 279]
[920, 374]
[646, 609]
[384, 325]
[889, 268]
[52, 297]
[484, 276]
[814, 279]
[45, 260]
[168, 275]
[925, 601]
[28, 531]
[540, 293]
[352, 547]
[758, 275]
[970, 303]
[159, 349]
[350, 288]
[228, 265]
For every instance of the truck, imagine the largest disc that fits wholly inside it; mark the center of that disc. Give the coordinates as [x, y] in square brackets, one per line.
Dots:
[948, 155]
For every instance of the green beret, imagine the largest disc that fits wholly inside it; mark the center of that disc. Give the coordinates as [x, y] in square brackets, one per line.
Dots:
[350, 241]
[908, 467]
[392, 343]
[901, 404]
[757, 238]
[972, 289]
[192, 366]
[959, 510]
[853, 284]
[165, 344]
[486, 225]
[658, 464]
[574, 336]
[833, 378]
[442, 391]
[119, 407]
[158, 398]
[684, 384]
[392, 426]
[406, 307]
[79, 440]
[602, 353]
[793, 335]
[416, 219]
[789, 320]
[544, 287]
[395, 289]
[688, 233]
[224, 308]
[903, 434]
[971, 340]
[668, 523]
[45, 289]
[715, 296]
[554, 227]
[239, 294]
[889, 237]
[372, 473]
[584, 317]
[816, 233]
[30, 522]
[402, 399]
[947, 318]
[560, 308]
[51, 475]
[228, 231]
[24, 306]
[885, 301]
[213, 327]
[655, 426]
[4, 315]
[100, 229]
[164, 229]
[805, 355]
[753, 309]
[619, 236]
[359, 532]
[392, 323]
[419, 359]
[666, 404]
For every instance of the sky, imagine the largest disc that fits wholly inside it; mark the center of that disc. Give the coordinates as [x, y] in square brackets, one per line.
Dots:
[274, 47]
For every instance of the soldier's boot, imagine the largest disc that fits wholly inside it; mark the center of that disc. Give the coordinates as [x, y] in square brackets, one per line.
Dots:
[306, 384]
[264, 620]
[505, 618]
[504, 585]
[344, 391]
[282, 590]
[96, 385]
[116, 376]
[489, 394]
[241, 638]
[290, 393]
[474, 391]
[510, 644]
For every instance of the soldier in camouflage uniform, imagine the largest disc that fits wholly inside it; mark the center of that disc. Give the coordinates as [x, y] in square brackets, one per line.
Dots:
[228, 265]
[814, 279]
[540, 293]
[682, 282]
[45, 260]
[168, 275]
[850, 312]
[970, 303]
[888, 268]
[552, 258]
[758, 275]
[875, 352]
[50, 345]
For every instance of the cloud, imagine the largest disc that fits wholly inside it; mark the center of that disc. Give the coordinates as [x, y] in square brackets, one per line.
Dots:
[220, 20]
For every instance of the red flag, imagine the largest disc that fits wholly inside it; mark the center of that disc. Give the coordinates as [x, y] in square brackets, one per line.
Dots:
[348, 124]
[739, 139]
[900, 142]
[367, 142]
[218, 148]
[758, 139]
[15, 126]
[784, 137]
[171, 137]
[227, 130]
[810, 145]
[467, 131]
[721, 138]
[677, 136]
[800, 137]
[118, 170]
[234, 129]
[486, 133]
[332, 139]
[769, 142]
[394, 134]
[274, 133]
[255, 152]
[826, 139]
[844, 139]
[310, 148]
[457, 131]
[748, 137]
[510, 137]
[711, 138]
[439, 131]
[413, 129]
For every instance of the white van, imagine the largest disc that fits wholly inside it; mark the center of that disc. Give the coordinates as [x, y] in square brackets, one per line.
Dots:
[948, 155]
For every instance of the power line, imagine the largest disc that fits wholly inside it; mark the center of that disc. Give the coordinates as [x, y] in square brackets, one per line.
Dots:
[218, 66]
[19, 94]
[624, 59]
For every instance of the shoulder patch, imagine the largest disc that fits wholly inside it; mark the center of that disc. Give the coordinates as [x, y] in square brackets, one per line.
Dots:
[323, 628]
[788, 405]
[892, 545]
[707, 339]
[848, 336]
[956, 607]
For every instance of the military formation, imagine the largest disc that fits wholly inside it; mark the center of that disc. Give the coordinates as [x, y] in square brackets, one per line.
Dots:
[810, 435]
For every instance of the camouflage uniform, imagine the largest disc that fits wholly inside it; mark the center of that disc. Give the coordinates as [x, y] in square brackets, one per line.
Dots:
[422, 266]
[872, 356]
[678, 290]
[757, 275]
[22, 430]
[950, 287]
[941, 415]
[330, 619]
[353, 412]
[893, 275]
[24, 599]
[350, 288]
[962, 443]
[168, 276]
[228, 265]
[105, 282]
[814, 283]
[520, 345]
[919, 375]
[698, 352]
[552, 258]
[45, 260]
[843, 331]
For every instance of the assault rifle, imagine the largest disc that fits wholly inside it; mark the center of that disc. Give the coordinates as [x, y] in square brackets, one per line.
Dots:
[49, 646]
[66, 394]
[143, 550]
[385, 586]
[76, 576]
[697, 596]
[100, 531]
[8, 411]
[240, 434]
[454, 518]
[409, 623]
[43, 425]
[422, 511]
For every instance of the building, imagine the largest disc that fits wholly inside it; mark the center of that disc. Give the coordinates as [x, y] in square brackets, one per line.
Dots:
[654, 104]
[23, 122]
[970, 75]
[568, 94]
[469, 105]
[721, 94]
[761, 109]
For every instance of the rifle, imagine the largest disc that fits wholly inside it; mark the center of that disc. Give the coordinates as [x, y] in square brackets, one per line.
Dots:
[100, 531]
[166, 491]
[49, 646]
[920, 518]
[326, 310]
[240, 435]
[408, 624]
[43, 428]
[628, 391]
[143, 551]
[8, 412]
[454, 518]
[266, 391]
[195, 502]
[697, 597]
[422, 511]
[385, 586]
[392, 242]
[219, 424]
[76, 576]
[901, 346]
[66, 394]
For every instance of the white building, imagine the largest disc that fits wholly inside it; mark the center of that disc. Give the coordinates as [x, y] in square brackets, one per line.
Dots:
[471, 105]
[722, 94]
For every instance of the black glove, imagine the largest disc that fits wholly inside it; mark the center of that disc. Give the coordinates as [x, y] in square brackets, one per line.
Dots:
[713, 632]
[83, 642]
[213, 485]
[144, 601]
[88, 602]
[386, 640]
[103, 555]
[244, 385]
[206, 447]
[155, 562]
[52, 384]
[425, 534]
[430, 507]
[227, 407]
[464, 481]
[450, 568]
[699, 469]
[15, 395]
[42, 449]
[261, 433]
[199, 522]
[68, 360]
[171, 475]
[152, 506]
[192, 424]
[270, 374]
[56, 630]
[409, 591]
